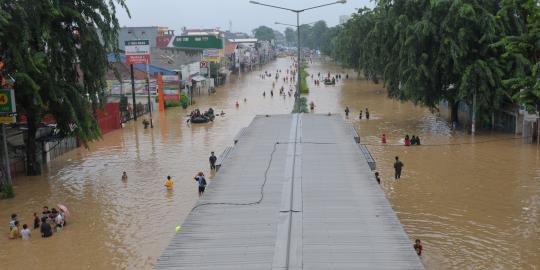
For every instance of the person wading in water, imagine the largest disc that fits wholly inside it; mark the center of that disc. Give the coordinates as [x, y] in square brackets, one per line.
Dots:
[398, 165]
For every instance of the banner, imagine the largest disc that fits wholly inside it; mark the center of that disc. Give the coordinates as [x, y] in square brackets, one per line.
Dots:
[137, 51]
[212, 55]
[115, 88]
[171, 87]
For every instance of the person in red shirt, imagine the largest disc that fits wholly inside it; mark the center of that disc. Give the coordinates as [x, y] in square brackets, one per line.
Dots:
[418, 247]
[383, 139]
[407, 140]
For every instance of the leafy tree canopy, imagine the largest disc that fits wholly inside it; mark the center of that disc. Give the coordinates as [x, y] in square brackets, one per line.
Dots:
[57, 53]
[264, 33]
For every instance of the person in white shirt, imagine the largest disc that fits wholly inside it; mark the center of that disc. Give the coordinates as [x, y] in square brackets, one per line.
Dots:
[59, 220]
[25, 233]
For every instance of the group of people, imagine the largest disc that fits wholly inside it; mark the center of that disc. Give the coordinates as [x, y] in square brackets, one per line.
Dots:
[50, 220]
[347, 111]
[199, 177]
[414, 140]
[286, 79]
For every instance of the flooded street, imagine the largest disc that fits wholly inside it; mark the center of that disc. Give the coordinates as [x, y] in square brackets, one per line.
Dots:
[473, 201]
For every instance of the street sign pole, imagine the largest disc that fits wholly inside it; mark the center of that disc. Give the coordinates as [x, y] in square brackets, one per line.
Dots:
[7, 110]
[133, 93]
[148, 88]
[7, 169]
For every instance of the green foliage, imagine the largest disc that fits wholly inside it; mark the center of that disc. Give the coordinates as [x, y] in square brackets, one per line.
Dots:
[184, 101]
[7, 192]
[429, 51]
[57, 53]
[145, 123]
[304, 89]
[312, 37]
[301, 106]
[172, 103]
[264, 33]
[290, 37]
[520, 22]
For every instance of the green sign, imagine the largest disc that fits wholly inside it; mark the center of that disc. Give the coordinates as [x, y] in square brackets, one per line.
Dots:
[198, 42]
[7, 101]
[137, 42]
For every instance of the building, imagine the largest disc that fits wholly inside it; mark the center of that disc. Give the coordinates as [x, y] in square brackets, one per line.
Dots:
[141, 32]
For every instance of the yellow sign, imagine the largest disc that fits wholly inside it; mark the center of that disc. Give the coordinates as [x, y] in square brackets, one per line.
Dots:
[7, 119]
[4, 99]
[211, 59]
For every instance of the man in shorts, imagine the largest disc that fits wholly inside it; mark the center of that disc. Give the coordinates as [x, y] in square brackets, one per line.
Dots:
[202, 183]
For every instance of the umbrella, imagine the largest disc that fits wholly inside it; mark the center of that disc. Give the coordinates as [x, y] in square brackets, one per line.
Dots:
[64, 209]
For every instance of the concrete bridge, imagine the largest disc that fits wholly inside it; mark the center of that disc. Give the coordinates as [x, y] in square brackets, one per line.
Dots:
[295, 192]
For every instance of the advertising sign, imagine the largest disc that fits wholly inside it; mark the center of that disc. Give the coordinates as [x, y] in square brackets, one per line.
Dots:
[204, 64]
[212, 55]
[171, 87]
[115, 88]
[137, 51]
[8, 119]
[7, 101]
[163, 41]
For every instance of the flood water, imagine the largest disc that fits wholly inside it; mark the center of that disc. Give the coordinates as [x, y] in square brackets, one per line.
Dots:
[473, 201]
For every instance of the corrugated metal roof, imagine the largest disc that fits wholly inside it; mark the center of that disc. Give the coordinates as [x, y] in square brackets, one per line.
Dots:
[294, 193]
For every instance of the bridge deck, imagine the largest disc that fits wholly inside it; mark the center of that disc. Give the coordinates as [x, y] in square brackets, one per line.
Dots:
[321, 207]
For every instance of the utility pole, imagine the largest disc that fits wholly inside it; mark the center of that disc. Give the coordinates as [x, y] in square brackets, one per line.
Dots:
[5, 153]
[133, 93]
[148, 88]
[297, 94]
[473, 126]
[298, 11]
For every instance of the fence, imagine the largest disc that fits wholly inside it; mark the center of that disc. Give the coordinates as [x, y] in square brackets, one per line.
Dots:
[55, 148]
[141, 110]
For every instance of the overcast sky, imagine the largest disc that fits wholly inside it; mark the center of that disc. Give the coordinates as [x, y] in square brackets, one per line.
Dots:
[244, 16]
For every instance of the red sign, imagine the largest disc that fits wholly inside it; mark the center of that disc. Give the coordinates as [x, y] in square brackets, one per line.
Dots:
[163, 41]
[204, 64]
[138, 59]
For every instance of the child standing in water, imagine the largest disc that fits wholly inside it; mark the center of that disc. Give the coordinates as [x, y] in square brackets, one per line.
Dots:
[169, 183]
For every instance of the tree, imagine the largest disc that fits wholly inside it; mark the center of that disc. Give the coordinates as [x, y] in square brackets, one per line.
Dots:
[519, 20]
[264, 33]
[317, 34]
[428, 51]
[57, 53]
[290, 37]
[306, 40]
[280, 38]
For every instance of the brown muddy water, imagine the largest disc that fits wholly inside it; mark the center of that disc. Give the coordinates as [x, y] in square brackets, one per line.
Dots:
[473, 201]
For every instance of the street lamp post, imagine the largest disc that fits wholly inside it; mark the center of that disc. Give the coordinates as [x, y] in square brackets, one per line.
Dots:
[298, 11]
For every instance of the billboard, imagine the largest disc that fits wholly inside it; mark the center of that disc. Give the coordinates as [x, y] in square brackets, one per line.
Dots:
[171, 87]
[116, 88]
[137, 51]
[212, 55]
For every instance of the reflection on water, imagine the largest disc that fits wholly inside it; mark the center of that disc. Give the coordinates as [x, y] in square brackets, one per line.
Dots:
[474, 205]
